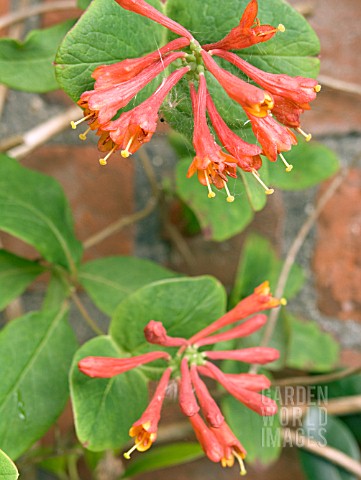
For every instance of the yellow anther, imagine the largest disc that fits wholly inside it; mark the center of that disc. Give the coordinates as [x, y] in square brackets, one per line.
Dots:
[75, 124]
[104, 161]
[230, 198]
[287, 165]
[307, 136]
[268, 190]
[82, 136]
[126, 153]
[317, 88]
[283, 302]
[281, 28]
[211, 194]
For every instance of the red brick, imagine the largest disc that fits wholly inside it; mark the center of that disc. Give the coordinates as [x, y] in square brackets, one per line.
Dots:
[337, 258]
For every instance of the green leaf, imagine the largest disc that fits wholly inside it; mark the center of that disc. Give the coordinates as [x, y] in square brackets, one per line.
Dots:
[33, 208]
[309, 347]
[58, 290]
[16, 273]
[184, 306]
[35, 356]
[83, 4]
[105, 34]
[29, 65]
[162, 457]
[327, 430]
[108, 280]
[105, 408]
[8, 470]
[219, 219]
[259, 435]
[259, 262]
[284, 53]
[312, 164]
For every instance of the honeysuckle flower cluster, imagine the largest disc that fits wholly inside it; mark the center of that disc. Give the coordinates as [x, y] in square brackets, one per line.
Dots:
[273, 103]
[192, 361]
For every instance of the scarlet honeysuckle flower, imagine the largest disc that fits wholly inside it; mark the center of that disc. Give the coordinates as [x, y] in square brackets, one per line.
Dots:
[137, 126]
[249, 31]
[143, 8]
[251, 98]
[214, 435]
[211, 163]
[145, 429]
[246, 154]
[108, 75]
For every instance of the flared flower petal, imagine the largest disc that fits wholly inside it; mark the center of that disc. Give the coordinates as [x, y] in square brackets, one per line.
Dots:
[145, 429]
[249, 31]
[246, 328]
[107, 367]
[207, 439]
[246, 154]
[109, 75]
[273, 137]
[251, 98]
[297, 89]
[143, 8]
[105, 102]
[156, 334]
[187, 400]
[210, 409]
[260, 300]
[255, 401]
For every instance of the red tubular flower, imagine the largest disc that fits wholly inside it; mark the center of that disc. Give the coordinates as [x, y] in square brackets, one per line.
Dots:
[208, 405]
[288, 113]
[250, 381]
[252, 99]
[187, 400]
[210, 162]
[249, 31]
[297, 89]
[260, 355]
[258, 403]
[232, 448]
[104, 103]
[246, 154]
[108, 75]
[137, 126]
[207, 439]
[273, 137]
[143, 8]
[155, 333]
[145, 429]
[107, 367]
[260, 300]
[246, 328]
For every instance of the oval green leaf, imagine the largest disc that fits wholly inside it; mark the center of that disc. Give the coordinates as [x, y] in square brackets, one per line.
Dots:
[8, 470]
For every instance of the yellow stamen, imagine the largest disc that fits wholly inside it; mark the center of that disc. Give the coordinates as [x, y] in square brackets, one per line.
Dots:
[75, 124]
[317, 88]
[125, 153]
[211, 194]
[131, 450]
[283, 302]
[281, 28]
[243, 470]
[82, 136]
[268, 190]
[230, 198]
[307, 136]
[287, 165]
[104, 161]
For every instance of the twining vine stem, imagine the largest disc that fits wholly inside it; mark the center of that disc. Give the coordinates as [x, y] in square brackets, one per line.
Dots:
[316, 379]
[92, 324]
